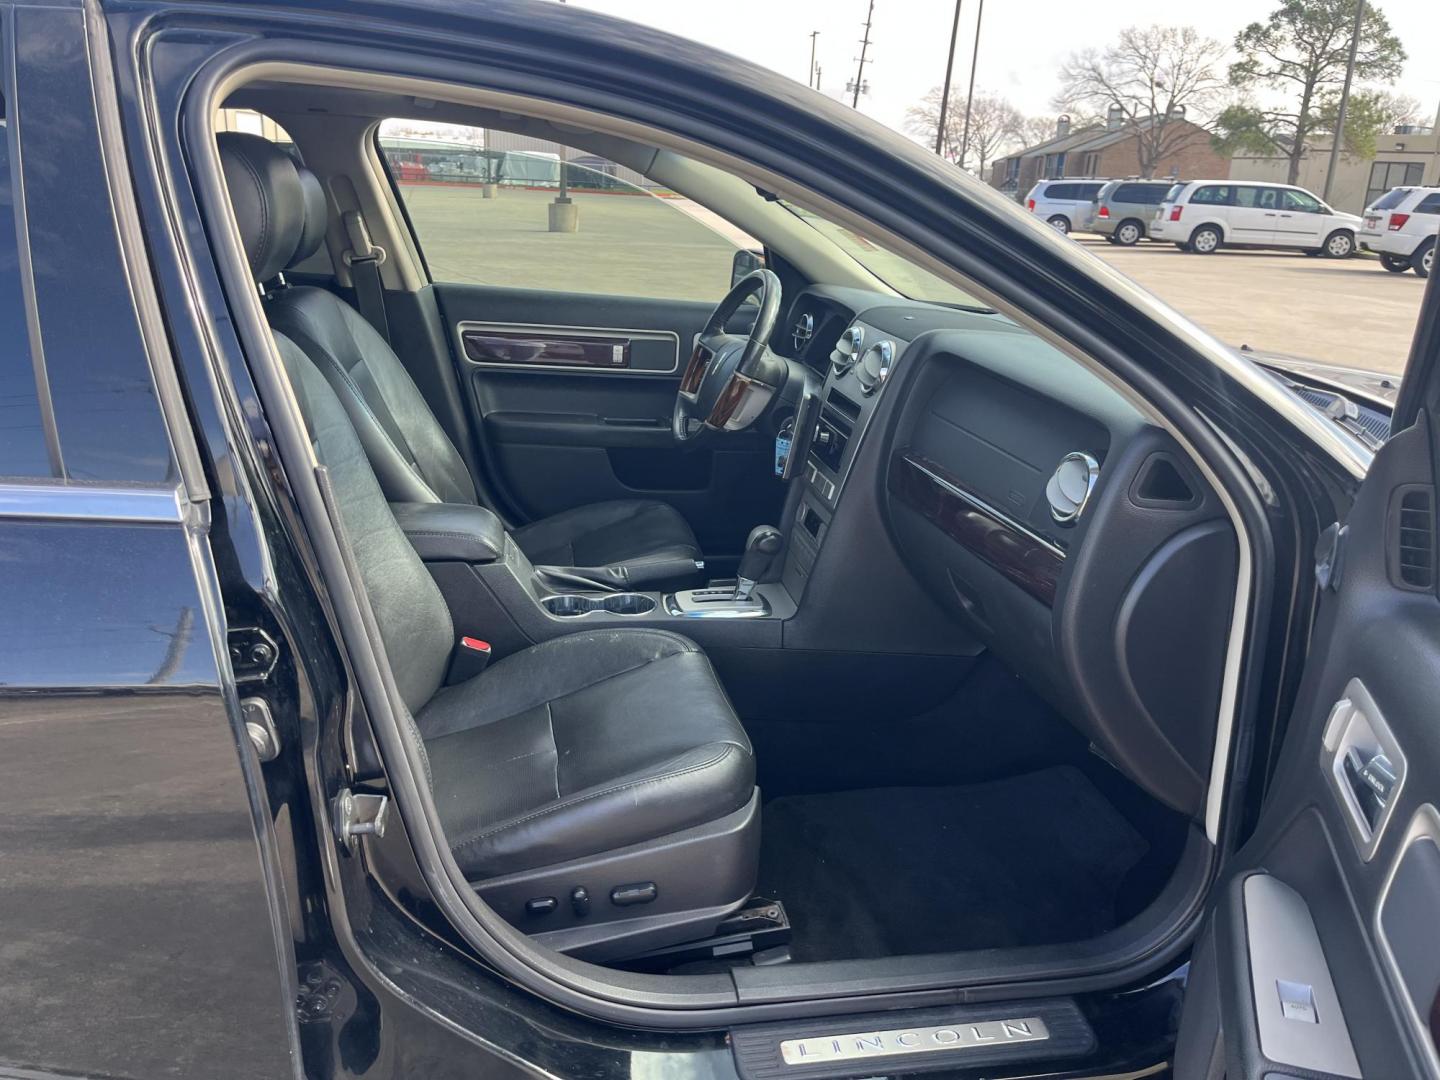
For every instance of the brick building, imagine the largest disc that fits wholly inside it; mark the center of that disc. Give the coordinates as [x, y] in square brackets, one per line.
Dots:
[1102, 150]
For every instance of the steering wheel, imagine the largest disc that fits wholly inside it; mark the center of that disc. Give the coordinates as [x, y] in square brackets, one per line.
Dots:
[731, 378]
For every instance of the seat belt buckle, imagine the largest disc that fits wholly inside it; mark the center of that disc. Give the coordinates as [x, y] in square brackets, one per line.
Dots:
[470, 658]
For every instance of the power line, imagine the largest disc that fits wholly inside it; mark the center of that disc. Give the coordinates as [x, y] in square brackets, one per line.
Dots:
[859, 84]
[949, 70]
[970, 94]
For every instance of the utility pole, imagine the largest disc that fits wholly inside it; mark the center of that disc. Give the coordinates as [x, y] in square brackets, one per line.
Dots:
[864, 48]
[810, 78]
[970, 94]
[1344, 101]
[945, 93]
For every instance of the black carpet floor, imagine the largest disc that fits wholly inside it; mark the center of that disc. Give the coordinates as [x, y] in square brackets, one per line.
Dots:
[1034, 859]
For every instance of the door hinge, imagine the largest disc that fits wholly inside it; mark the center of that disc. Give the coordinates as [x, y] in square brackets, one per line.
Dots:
[260, 726]
[356, 815]
[253, 654]
[324, 994]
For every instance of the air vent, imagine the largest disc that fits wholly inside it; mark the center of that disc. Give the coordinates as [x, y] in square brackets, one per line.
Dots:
[1412, 538]
[802, 333]
[846, 351]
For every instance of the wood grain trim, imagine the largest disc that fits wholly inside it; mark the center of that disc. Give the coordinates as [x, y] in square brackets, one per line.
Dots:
[1026, 559]
[546, 349]
[695, 370]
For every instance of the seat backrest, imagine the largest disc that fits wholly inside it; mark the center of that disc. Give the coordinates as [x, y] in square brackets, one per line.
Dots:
[268, 193]
[413, 619]
[282, 213]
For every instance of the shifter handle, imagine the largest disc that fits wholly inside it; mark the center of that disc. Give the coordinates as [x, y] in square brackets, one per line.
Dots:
[761, 547]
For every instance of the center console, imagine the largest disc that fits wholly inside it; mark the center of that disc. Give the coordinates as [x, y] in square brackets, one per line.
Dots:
[860, 364]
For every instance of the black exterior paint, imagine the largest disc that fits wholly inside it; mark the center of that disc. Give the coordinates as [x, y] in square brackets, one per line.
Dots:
[150, 864]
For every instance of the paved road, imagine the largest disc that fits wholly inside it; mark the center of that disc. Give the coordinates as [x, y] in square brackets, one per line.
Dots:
[1345, 311]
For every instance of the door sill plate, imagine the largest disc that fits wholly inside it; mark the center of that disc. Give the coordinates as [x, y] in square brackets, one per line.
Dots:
[915, 1041]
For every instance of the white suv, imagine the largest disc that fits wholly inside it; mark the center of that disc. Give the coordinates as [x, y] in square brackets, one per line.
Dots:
[1065, 204]
[1400, 227]
[1203, 215]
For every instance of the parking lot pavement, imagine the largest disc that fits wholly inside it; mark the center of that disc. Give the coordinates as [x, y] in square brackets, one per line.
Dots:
[1340, 311]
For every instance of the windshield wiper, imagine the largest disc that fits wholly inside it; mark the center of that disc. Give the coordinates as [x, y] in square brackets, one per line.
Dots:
[1369, 427]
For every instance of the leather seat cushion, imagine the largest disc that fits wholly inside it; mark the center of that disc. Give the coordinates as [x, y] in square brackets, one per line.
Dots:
[583, 744]
[606, 533]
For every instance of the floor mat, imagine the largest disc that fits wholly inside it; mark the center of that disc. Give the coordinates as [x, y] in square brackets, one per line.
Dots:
[1035, 859]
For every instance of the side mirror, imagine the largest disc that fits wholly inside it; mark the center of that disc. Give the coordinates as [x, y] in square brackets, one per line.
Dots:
[745, 262]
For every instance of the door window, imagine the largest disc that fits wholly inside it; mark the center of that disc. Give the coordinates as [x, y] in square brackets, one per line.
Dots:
[1429, 205]
[488, 208]
[1214, 195]
[1302, 202]
[22, 421]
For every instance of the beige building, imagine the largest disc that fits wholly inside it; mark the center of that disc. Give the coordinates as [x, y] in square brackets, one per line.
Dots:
[1406, 157]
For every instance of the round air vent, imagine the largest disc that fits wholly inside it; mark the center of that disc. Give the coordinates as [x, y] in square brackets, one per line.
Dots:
[1070, 486]
[846, 351]
[802, 333]
[874, 366]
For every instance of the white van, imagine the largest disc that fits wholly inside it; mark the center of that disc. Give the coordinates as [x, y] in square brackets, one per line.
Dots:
[1204, 215]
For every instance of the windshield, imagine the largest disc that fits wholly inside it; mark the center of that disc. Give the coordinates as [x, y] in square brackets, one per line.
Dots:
[896, 271]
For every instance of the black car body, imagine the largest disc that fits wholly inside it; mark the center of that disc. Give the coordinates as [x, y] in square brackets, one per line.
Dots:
[186, 701]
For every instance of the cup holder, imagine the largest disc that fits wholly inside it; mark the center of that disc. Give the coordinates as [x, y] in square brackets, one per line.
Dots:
[629, 603]
[573, 605]
[568, 607]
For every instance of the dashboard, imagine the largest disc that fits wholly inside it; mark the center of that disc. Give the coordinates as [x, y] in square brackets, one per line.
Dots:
[1036, 506]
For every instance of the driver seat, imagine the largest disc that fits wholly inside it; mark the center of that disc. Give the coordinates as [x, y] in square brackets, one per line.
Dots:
[282, 213]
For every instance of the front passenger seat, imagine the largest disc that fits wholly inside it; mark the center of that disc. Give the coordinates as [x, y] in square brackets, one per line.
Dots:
[282, 213]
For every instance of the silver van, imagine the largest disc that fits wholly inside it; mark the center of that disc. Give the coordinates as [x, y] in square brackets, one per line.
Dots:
[1065, 204]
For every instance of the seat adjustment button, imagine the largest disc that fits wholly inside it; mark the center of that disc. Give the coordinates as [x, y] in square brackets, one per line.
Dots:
[640, 893]
[580, 901]
[541, 905]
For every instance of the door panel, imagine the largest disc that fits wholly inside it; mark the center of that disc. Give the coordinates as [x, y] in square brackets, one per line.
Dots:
[571, 396]
[1346, 843]
[1254, 217]
[1300, 223]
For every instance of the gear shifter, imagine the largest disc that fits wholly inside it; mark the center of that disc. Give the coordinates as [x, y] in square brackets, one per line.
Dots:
[762, 547]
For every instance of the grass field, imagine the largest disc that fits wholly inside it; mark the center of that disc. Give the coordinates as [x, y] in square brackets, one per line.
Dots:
[627, 245]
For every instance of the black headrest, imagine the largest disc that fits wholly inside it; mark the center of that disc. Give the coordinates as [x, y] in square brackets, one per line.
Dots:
[279, 204]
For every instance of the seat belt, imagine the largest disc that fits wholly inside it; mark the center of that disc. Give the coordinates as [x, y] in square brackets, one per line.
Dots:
[364, 259]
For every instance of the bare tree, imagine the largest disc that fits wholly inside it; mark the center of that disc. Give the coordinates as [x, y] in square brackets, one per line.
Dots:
[1163, 82]
[1035, 130]
[994, 124]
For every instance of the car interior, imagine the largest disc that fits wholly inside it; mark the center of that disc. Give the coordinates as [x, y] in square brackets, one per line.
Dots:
[818, 614]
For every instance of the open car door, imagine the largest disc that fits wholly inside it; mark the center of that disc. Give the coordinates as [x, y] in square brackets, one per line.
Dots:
[1322, 955]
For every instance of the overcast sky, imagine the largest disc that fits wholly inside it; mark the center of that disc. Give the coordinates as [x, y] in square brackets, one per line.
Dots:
[1023, 41]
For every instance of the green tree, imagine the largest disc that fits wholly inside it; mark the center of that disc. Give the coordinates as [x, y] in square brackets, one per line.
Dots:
[1301, 51]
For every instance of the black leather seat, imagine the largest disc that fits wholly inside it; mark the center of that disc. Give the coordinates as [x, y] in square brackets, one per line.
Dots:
[642, 541]
[581, 762]
[601, 760]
